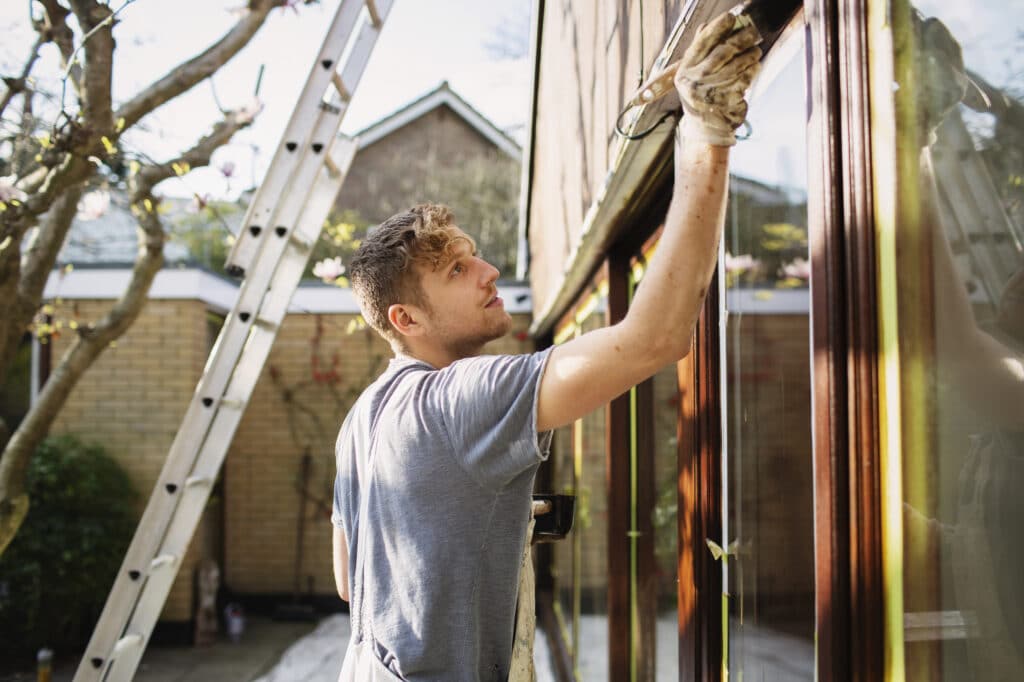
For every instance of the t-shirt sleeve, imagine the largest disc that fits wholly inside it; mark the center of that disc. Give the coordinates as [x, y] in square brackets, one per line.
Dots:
[488, 406]
[336, 518]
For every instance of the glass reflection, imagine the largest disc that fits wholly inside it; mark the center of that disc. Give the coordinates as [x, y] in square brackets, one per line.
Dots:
[664, 520]
[768, 562]
[592, 531]
[563, 550]
[962, 339]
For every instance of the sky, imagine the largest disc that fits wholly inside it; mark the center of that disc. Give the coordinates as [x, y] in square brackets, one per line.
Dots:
[424, 42]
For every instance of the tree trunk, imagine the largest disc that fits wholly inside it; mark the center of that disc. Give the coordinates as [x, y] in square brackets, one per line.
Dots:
[22, 294]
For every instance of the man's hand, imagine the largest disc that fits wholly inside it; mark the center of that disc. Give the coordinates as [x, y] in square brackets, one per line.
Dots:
[713, 76]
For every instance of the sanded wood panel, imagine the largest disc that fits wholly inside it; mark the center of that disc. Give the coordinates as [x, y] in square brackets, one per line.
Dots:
[589, 62]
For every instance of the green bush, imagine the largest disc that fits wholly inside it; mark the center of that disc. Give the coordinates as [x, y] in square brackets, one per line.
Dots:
[55, 575]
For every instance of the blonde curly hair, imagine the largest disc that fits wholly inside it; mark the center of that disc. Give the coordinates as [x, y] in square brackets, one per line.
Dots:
[382, 271]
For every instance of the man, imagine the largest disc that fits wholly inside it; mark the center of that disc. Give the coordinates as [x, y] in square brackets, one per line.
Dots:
[436, 460]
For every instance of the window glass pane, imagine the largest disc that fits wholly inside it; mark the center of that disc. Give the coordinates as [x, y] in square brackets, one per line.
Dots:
[592, 532]
[562, 568]
[664, 520]
[581, 560]
[768, 501]
[959, 268]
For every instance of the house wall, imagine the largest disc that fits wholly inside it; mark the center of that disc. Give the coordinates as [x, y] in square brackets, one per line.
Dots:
[396, 171]
[589, 64]
[131, 401]
[287, 417]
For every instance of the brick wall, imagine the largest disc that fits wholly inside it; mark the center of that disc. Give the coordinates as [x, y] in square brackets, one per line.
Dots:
[132, 400]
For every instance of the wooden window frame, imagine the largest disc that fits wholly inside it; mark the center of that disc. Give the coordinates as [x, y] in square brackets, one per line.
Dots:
[848, 565]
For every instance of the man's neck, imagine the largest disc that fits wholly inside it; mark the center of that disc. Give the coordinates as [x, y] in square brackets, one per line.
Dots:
[438, 358]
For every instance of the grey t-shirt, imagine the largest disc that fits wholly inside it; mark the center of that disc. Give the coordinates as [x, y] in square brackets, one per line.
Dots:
[454, 455]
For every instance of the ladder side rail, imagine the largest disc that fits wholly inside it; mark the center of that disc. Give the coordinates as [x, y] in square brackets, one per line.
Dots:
[257, 349]
[954, 203]
[966, 175]
[355, 65]
[296, 135]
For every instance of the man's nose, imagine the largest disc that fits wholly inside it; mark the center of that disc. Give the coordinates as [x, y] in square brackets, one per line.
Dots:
[489, 273]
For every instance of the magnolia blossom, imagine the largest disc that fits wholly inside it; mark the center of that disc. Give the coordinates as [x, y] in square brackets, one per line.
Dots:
[329, 269]
[251, 109]
[93, 204]
[8, 191]
[740, 263]
[799, 268]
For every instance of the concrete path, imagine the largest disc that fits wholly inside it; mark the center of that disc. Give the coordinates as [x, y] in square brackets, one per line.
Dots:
[258, 651]
[269, 651]
[317, 657]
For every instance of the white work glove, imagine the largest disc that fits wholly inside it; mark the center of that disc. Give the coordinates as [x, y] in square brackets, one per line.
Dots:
[713, 76]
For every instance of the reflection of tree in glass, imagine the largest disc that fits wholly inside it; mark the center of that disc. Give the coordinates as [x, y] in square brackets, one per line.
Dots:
[766, 235]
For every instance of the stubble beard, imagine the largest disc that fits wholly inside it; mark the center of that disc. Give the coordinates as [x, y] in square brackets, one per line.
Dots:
[471, 345]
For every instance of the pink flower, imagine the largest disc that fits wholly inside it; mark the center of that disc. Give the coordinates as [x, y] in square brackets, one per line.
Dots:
[799, 268]
[329, 269]
[93, 205]
[740, 263]
[8, 191]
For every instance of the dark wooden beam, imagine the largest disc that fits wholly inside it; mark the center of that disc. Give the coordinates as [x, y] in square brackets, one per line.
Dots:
[617, 485]
[848, 571]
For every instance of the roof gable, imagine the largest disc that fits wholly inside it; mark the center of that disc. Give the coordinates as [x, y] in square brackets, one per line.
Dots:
[441, 96]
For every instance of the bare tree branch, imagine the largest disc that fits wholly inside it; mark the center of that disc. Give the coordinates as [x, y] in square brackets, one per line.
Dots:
[98, 42]
[40, 254]
[18, 84]
[182, 77]
[200, 154]
[55, 28]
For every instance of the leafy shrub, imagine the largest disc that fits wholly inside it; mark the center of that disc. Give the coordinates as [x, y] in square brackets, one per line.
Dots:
[56, 573]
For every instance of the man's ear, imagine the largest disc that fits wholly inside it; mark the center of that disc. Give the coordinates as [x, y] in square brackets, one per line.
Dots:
[406, 319]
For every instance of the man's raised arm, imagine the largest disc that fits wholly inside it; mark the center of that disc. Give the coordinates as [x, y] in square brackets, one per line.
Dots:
[589, 371]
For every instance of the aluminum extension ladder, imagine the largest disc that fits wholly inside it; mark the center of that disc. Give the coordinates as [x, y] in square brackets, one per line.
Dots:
[280, 228]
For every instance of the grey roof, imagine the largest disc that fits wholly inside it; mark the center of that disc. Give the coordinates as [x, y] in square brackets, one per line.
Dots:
[112, 238]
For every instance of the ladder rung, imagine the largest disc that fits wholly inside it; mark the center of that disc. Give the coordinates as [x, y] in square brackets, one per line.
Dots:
[261, 322]
[371, 8]
[339, 85]
[264, 323]
[193, 481]
[231, 404]
[127, 642]
[300, 244]
[161, 561]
